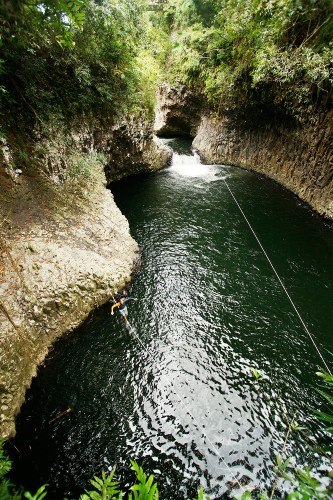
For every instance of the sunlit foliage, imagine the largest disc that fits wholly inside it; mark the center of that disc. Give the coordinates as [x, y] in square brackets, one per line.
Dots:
[254, 51]
[72, 58]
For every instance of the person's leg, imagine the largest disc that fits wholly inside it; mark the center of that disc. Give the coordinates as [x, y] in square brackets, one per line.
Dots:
[124, 313]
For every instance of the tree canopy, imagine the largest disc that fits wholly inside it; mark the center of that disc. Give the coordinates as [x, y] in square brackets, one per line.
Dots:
[247, 52]
[105, 58]
[71, 57]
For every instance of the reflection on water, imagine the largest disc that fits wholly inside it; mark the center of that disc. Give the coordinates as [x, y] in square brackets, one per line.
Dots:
[177, 392]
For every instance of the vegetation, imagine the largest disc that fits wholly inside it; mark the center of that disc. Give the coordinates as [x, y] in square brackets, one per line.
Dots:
[325, 415]
[267, 53]
[74, 58]
[65, 59]
[105, 487]
[302, 482]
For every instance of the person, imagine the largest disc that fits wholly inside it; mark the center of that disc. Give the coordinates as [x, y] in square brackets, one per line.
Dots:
[121, 304]
[120, 294]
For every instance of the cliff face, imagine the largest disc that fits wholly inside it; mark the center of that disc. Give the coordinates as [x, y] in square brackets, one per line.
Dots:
[65, 246]
[178, 112]
[297, 155]
[129, 148]
[300, 157]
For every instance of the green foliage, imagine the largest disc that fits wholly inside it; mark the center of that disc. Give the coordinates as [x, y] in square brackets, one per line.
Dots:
[39, 495]
[248, 496]
[7, 490]
[5, 467]
[144, 489]
[105, 488]
[326, 414]
[5, 463]
[256, 373]
[72, 58]
[201, 495]
[80, 166]
[303, 482]
[255, 52]
[295, 427]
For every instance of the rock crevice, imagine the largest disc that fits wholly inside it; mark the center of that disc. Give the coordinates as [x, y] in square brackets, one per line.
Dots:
[296, 153]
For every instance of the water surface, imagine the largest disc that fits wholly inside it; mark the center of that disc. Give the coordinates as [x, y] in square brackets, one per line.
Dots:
[177, 393]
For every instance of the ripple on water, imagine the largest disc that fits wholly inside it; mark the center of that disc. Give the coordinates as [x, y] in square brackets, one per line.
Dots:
[177, 392]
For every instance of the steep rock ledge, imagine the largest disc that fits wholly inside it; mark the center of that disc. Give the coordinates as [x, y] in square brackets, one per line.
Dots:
[129, 147]
[56, 266]
[178, 112]
[65, 247]
[299, 157]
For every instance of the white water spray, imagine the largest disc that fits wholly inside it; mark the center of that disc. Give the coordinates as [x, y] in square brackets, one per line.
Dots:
[191, 166]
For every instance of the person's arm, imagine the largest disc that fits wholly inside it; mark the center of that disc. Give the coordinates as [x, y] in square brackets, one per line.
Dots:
[115, 305]
[129, 298]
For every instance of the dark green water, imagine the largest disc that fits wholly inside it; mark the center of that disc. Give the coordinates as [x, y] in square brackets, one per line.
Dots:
[178, 394]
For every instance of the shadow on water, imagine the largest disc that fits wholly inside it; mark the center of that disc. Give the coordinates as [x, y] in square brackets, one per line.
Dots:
[177, 392]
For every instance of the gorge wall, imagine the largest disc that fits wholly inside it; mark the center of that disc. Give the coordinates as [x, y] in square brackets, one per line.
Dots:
[300, 158]
[65, 246]
[298, 155]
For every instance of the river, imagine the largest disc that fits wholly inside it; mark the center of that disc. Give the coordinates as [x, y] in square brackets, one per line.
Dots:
[177, 392]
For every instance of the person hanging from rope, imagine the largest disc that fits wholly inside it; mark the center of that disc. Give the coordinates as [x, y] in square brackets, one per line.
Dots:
[121, 304]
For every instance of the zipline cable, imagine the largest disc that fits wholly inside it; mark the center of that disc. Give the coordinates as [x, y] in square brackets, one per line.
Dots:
[199, 426]
[278, 277]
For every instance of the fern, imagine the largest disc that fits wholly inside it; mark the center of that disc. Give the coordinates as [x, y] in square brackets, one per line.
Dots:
[5, 463]
[145, 489]
[105, 488]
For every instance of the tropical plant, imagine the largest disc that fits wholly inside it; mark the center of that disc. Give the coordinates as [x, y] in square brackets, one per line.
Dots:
[254, 52]
[63, 59]
[256, 373]
[325, 415]
[105, 488]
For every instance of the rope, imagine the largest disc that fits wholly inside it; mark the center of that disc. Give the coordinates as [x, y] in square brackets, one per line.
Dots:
[200, 427]
[132, 330]
[278, 277]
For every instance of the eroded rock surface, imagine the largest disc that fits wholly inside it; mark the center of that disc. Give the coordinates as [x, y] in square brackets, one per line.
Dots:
[178, 112]
[65, 246]
[300, 157]
[297, 154]
[62, 255]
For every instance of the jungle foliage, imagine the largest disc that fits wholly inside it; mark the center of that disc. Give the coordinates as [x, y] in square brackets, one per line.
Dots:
[105, 58]
[253, 52]
[69, 58]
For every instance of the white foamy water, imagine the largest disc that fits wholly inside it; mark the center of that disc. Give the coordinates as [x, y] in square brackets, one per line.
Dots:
[191, 166]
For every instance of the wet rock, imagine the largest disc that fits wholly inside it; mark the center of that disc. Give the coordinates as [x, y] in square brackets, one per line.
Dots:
[63, 262]
[299, 155]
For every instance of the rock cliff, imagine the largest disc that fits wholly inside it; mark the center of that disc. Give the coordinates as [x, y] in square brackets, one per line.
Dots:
[178, 112]
[299, 156]
[65, 246]
[129, 147]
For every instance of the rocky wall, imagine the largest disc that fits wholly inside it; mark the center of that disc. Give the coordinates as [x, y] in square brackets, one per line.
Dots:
[299, 156]
[129, 147]
[178, 112]
[65, 247]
